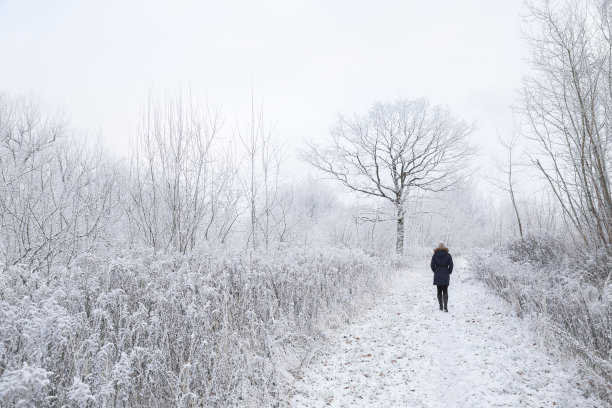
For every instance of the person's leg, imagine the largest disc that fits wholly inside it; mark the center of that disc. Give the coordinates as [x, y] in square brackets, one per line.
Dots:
[439, 287]
[445, 297]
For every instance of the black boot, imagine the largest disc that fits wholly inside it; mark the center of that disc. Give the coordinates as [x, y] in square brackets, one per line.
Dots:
[440, 300]
[445, 302]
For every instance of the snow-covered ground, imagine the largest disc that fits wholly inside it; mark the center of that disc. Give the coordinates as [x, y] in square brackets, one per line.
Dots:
[404, 352]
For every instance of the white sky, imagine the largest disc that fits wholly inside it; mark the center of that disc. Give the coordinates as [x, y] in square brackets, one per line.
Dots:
[308, 60]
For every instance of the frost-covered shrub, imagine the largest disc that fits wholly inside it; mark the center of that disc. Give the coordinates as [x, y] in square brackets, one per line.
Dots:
[139, 329]
[595, 267]
[565, 296]
[537, 249]
[24, 387]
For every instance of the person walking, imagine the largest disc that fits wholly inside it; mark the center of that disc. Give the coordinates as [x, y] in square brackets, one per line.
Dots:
[442, 267]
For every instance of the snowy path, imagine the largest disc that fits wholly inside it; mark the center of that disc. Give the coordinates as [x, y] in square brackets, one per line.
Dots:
[403, 352]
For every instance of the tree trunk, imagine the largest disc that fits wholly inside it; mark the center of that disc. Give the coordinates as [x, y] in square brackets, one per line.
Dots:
[518, 217]
[399, 241]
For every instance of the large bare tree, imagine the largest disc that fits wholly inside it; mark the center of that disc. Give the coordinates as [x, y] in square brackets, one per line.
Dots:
[393, 149]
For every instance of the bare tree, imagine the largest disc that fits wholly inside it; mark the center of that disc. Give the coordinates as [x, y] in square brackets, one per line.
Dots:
[567, 102]
[55, 194]
[394, 149]
[261, 178]
[508, 170]
[176, 181]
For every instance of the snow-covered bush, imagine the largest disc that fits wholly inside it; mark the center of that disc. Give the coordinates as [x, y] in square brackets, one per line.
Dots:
[536, 249]
[139, 329]
[564, 293]
[24, 387]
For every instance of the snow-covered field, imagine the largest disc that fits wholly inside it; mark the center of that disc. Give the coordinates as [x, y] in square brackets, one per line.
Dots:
[404, 352]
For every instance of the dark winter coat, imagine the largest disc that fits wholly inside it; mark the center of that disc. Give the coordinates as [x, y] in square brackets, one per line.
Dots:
[442, 266]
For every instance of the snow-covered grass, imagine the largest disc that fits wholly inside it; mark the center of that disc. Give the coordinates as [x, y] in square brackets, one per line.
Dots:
[565, 295]
[136, 328]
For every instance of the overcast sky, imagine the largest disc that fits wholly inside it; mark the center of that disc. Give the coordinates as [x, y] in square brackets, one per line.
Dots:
[308, 60]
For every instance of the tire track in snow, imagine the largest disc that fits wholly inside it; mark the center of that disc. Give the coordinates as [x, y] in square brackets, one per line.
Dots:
[404, 352]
